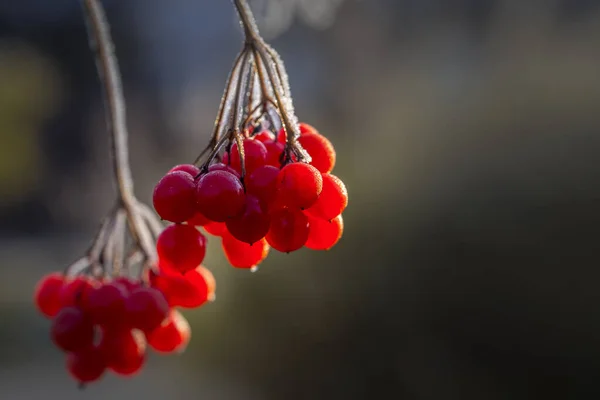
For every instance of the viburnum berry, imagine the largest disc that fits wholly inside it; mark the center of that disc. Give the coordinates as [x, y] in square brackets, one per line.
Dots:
[146, 308]
[220, 195]
[216, 228]
[223, 167]
[72, 329]
[299, 185]
[198, 220]
[86, 365]
[320, 149]
[332, 201]
[75, 292]
[288, 231]
[209, 278]
[174, 197]
[124, 350]
[274, 148]
[106, 304]
[189, 168]
[324, 234]
[244, 255]
[255, 155]
[181, 247]
[172, 336]
[262, 183]
[127, 283]
[47, 294]
[304, 128]
[252, 225]
[189, 290]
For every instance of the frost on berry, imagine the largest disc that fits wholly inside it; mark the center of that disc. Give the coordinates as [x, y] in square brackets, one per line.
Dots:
[299, 185]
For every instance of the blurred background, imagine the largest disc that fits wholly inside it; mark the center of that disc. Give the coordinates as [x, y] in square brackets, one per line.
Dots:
[467, 132]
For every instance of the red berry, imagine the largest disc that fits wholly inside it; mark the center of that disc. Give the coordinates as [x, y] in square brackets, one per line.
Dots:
[127, 283]
[181, 247]
[324, 234]
[47, 294]
[220, 195]
[189, 290]
[262, 183]
[209, 278]
[86, 365]
[299, 185]
[75, 292]
[243, 255]
[304, 128]
[264, 137]
[124, 350]
[252, 225]
[106, 304]
[198, 220]
[189, 168]
[172, 336]
[274, 152]
[146, 308]
[216, 228]
[255, 155]
[174, 197]
[320, 150]
[289, 230]
[332, 201]
[223, 167]
[72, 330]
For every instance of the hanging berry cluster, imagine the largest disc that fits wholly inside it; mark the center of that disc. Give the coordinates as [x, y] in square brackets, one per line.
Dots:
[264, 181]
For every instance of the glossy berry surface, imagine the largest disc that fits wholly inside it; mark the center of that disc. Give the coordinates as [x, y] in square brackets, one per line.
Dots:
[72, 330]
[262, 183]
[146, 308]
[323, 234]
[106, 304]
[255, 155]
[124, 350]
[299, 185]
[320, 149]
[174, 197]
[333, 199]
[181, 247]
[288, 231]
[220, 195]
[172, 336]
[252, 225]
[189, 168]
[244, 255]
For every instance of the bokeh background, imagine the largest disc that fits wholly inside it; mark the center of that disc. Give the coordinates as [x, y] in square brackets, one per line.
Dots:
[467, 131]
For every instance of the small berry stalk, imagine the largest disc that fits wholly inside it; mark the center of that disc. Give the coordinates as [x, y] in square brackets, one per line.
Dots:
[264, 180]
[110, 305]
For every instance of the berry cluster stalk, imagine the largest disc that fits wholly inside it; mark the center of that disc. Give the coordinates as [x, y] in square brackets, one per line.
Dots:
[257, 90]
[129, 219]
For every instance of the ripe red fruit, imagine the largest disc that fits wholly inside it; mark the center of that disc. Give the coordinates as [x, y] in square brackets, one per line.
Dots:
[127, 283]
[320, 149]
[264, 137]
[299, 185]
[220, 195]
[86, 365]
[172, 336]
[289, 230]
[215, 228]
[76, 291]
[181, 247]
[255, 155]
[274, 152]
[146, 308]
[189, 290]
[106, 304]
[332, 201]
[262, 183]
[304, 129]
[198, 220]
[174, 197]
[243, 255]
[124, 350]
[189, 168]
[72, 330]
[324, 234]
[223, 167]
[47, 294]
[252, 225]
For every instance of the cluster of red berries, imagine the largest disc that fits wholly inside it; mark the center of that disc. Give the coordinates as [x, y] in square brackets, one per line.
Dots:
[108, 324]
[255, 201]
